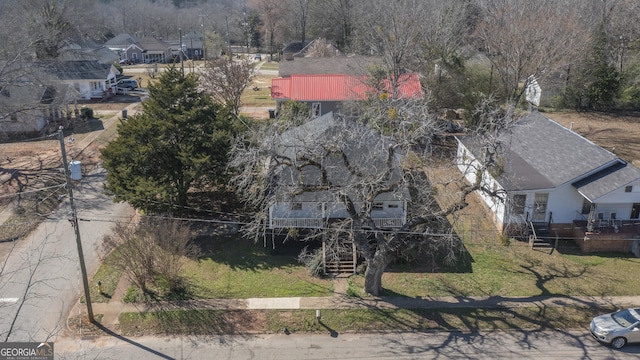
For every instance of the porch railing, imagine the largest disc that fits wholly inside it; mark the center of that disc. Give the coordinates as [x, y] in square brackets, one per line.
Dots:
[318, 223]
[307, 223]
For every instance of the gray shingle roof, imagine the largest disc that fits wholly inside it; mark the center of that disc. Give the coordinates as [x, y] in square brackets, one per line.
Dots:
[152, 44]
[539, 153]
[350, 65]
[607, 180]
[121, 41]
[367, 154]
[78, 70]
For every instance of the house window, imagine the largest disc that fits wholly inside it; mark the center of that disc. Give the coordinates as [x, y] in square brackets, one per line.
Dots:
[517, 204]
[315, 109]
[96, 85]
[320, 206]
[14, 117]
[296, 206]
[628, 189]
[586, 207]
[378, 206]
[393, 206]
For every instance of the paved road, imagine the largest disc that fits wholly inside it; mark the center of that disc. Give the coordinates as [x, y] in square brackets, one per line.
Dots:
[41, 280]
[384, 346]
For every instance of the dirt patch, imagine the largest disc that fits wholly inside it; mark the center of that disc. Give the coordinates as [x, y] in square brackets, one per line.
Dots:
[618, 132]
[28, 166]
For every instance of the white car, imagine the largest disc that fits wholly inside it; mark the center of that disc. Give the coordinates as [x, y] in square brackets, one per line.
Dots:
[618, 328]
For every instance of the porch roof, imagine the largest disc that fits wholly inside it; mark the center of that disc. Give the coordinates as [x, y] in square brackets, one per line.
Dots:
[604, 182]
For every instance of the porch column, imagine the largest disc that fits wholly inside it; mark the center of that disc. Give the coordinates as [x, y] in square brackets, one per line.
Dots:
[592, 217]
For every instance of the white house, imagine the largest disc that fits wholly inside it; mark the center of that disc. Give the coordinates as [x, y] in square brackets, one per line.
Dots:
[90, 79]
[313, 207]
[552, 175]
[29, 104]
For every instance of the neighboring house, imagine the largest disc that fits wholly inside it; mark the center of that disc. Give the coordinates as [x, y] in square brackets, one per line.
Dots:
[27, 107]
[82, 48]
[90, 79]
[551, 175]
[193, 45]
[299, 49]
[120, 43]
[148, 50]
[355, 65]
[333, 92]
[316, 209]
[293, 48]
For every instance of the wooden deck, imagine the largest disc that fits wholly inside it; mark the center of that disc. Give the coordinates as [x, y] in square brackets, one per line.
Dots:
[616, 237]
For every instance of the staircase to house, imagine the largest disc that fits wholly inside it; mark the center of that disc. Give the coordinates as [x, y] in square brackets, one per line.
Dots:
[540, 237]
[339, 259]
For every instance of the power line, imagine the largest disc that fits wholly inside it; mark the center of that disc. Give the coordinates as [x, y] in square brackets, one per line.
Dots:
[31, 191]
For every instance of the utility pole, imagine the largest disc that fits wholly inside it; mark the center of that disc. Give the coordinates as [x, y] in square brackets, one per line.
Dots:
[204, 39]
[226, 19]
[181, 58]
[74, 223]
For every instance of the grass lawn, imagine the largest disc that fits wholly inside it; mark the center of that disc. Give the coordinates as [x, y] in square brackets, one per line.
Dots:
[354, 320]
[238, 268]
[270, 66]
[259, 92]
[231, 268]
[108, 276]
[518, 271]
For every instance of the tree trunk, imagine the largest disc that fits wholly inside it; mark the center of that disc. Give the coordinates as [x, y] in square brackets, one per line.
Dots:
[376, 266]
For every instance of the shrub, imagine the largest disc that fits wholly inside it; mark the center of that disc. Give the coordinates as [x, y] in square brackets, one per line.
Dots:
[86, 113]
[132, 295]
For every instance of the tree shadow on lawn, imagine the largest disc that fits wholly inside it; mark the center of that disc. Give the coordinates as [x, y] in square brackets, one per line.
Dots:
[434, 262]
[240, 253]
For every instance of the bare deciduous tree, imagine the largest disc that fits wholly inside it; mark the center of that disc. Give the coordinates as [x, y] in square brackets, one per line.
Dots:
[155, 246]
[226, 79]
[173, 238]
[393, 31]
[271, 13]
[135, 254]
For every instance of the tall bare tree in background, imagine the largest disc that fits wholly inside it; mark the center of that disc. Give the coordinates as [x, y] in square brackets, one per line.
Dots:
[225, 80]
[525, 38]
[393, 31]
[333, 19]
[272, 12]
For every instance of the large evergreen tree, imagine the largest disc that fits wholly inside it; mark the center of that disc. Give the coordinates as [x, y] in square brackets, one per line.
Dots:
[179, 142]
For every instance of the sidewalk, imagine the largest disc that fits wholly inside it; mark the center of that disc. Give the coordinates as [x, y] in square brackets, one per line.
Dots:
[112, 310]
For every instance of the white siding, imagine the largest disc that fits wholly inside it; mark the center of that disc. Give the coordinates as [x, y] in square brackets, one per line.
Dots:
[619, 196]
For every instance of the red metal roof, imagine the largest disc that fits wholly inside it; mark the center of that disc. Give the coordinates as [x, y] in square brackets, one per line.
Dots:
[337, 87]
